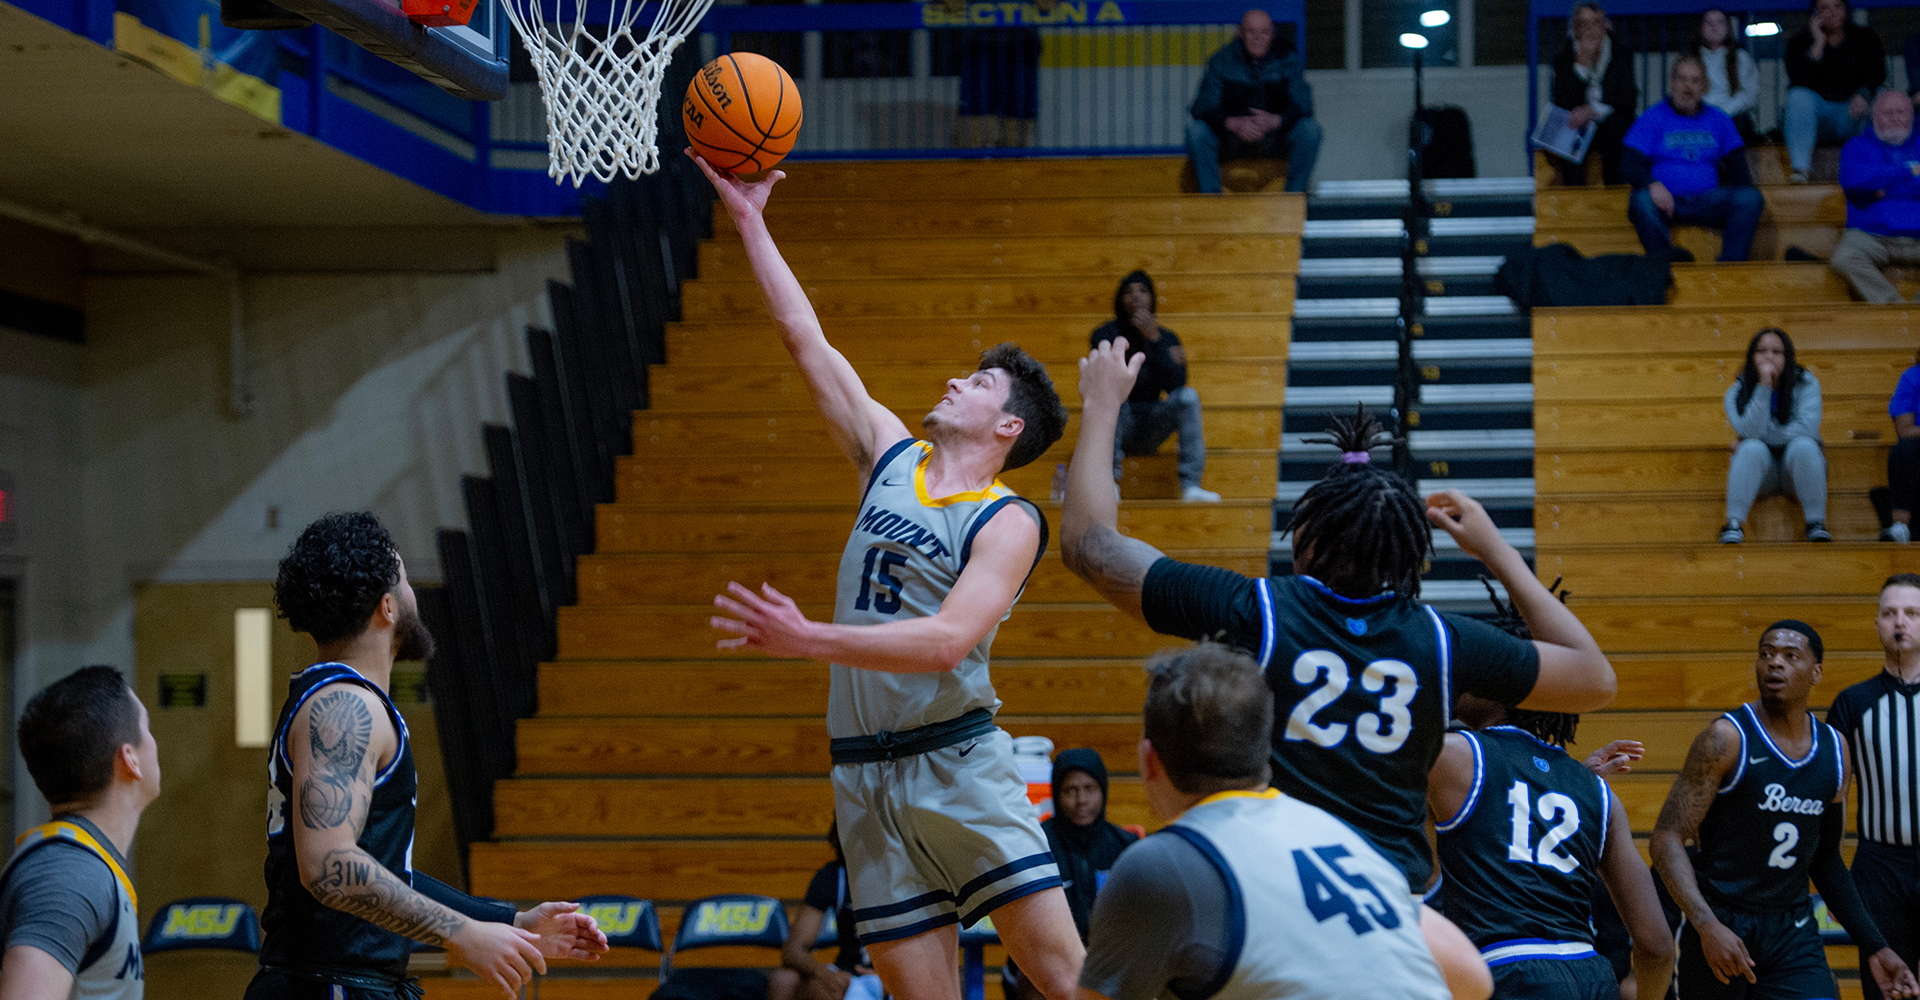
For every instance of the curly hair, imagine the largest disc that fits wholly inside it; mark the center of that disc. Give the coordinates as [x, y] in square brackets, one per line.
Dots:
[1032, 398]
[335, 575]
[73, 728]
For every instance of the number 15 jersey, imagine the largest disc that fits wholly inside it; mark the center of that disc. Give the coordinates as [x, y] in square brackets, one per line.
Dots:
[905, 553]
[1362, 689]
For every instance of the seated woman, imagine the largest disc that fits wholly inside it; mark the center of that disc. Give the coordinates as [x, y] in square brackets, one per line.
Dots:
[803, 977]
[1774, 407]
[1733, 78]
[1593, 81]
[1084, 844]
[1903, 462]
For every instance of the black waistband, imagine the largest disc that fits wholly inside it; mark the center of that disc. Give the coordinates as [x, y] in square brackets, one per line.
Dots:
[886, 745]
[360, 979]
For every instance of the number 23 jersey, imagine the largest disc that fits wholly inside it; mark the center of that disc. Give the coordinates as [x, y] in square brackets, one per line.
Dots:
[1362, 689]
[906, 551]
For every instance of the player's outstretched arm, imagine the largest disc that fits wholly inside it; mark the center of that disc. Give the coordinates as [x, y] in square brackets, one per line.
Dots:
[335, 743]
[1574, 674]
[1631, 886]
[860, 426]
[1003, 554]
[1467, 975]
[1713, 755]
[1090, 540]
[1837, 889]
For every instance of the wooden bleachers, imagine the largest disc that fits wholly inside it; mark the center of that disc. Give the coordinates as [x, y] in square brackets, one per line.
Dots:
[1630, 466]
[658, 766]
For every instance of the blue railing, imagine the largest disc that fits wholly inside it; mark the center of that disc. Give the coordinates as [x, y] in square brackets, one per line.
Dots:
[1656, 31]
[1080, 77]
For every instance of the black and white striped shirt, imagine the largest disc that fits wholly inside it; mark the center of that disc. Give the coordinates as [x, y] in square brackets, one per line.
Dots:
[1880, 720]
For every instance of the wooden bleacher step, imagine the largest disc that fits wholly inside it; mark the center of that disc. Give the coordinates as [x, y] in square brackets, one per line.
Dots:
[838, 297]
[802, 432]
[1150, 215]
[1054, 339]
[1007, 255]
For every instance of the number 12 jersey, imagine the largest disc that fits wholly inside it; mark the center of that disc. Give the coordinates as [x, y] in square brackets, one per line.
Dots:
[1362, 689]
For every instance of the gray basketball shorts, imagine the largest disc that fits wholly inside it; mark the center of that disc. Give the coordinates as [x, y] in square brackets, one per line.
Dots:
[938, 838]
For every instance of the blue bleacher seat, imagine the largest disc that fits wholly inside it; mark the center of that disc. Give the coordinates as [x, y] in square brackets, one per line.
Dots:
[628, 922]
[728, 919]
[203, 922]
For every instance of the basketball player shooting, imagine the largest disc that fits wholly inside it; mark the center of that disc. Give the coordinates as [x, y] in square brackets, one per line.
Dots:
[934, 817]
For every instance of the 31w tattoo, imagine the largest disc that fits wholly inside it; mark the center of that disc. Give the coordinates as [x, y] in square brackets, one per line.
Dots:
[339, 728]
[351, 881]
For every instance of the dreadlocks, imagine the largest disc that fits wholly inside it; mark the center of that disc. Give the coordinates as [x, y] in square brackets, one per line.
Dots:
[1361, 529]
[1556, 728]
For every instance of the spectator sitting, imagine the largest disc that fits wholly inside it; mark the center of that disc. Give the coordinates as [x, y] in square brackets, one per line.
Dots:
[1254, 101]
[1774, 407]
[1084, 844]
[1833, 68]
[1687, 164]
[1733, 79]
[1148, 420]
[801, 976]
[1593, 81]
[1880, 175]
[1903, 462]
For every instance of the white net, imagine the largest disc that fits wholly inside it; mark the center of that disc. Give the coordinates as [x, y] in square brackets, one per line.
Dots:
[601, 89]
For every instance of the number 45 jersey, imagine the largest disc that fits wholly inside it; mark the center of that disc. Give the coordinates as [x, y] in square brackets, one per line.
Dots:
[1758, 838]
[1520, 858]
[905, 553]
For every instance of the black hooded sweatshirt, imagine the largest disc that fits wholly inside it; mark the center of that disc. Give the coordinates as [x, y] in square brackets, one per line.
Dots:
[1161, 374]
[1083, 851]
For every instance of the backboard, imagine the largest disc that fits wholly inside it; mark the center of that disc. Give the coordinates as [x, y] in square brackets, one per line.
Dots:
[468, 61]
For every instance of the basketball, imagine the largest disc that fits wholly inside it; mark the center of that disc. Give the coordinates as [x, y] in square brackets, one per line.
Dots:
[742, 113]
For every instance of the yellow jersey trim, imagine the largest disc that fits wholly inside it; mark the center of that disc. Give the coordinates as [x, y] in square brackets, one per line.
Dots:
[1267, 793]
[79, 835]
[993, 492]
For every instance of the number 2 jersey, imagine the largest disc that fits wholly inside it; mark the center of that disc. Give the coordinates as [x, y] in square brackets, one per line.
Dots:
[1362, 689]
[905, 553]
[1758, 838]
[1520, 858]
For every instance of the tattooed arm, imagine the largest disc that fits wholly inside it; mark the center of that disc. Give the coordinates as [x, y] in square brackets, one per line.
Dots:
[1090, 540]
[337, 743]
[1714, 754]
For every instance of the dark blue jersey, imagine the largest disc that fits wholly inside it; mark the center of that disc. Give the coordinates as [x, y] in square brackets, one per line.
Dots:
[1362, 689]
[297, 930]
[1759, 836]
[1520, 859]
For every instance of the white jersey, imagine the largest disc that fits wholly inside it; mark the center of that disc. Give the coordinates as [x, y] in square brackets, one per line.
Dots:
[905, 553]
[1317, 912]
[112, 968]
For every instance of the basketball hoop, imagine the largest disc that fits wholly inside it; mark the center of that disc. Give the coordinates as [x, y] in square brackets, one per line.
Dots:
[600, 92]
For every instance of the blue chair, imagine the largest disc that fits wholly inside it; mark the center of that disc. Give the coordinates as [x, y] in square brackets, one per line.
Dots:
[628, 922]
[973, 952]
[203, 922]
[829, 932]
[734, 918]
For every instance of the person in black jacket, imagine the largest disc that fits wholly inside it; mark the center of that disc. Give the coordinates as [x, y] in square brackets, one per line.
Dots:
[1084, 844]
[1593, 80]
[1162, 404]
[1254, 101]
[1833, 68]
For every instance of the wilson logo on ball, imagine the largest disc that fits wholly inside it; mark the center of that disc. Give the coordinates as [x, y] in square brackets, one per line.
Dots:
[742, 113]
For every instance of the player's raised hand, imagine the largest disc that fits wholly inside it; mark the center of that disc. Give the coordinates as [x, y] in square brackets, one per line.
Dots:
[1893, 976]
[1726, 953]
[768, 622]
[743, 198]
[1615, 758]
[564, 931]
[501, 954]
[1462, 517]
[1107, 374]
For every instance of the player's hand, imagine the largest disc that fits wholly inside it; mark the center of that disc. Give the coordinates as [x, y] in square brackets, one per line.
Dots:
[1462, 517]
[1107, 375]
[1615, 758]
[1726, 953]
[744, 199]
[501, 954]
[768, 622]
[564, 931]
[1895, 979]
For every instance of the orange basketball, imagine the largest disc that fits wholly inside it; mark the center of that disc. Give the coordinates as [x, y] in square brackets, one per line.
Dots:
[742, 113]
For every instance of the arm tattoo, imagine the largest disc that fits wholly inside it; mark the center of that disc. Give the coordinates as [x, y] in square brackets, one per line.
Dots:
[351, 881]
[1112, 562]
[1699, 783]
[339, 727]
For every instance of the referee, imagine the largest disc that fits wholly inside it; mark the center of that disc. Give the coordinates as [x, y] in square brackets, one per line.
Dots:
[1877, 719]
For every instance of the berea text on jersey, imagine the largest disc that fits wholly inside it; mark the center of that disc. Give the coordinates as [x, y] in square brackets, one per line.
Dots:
[1779, 801]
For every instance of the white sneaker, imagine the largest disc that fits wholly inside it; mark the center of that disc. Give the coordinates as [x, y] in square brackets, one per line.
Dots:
[1195, 494]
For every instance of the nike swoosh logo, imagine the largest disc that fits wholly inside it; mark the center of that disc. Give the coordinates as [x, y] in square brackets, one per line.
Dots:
[890, 482]
[1802, 922]
[969, 749]
[1756, 760]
